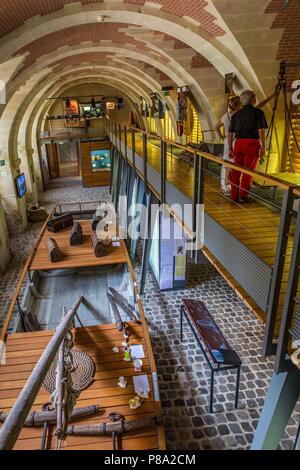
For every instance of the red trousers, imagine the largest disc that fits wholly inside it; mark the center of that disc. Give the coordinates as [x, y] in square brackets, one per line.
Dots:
[246, 153]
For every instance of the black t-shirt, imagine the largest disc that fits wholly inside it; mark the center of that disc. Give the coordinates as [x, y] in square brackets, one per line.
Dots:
[246, 122]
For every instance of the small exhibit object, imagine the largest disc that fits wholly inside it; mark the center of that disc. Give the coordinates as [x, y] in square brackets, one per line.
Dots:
[100, 246]
[142, 393]
[141, 384]
[138, 364]
[127, 356]
[36, 213]
[56, 224]
[54, 252]
[122, 382]
[76, 235]
[116, 349]
[135, 403]
[137, 351]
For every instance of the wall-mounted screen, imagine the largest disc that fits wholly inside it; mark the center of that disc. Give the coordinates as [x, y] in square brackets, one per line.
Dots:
[21, 185]
[101, 159]
[89, 110]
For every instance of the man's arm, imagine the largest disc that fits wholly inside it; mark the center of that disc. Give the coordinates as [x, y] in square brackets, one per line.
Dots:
[218, 128]
[230, 144]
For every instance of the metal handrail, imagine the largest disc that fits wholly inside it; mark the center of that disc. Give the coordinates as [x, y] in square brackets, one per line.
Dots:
[253, 173]
[16, 418]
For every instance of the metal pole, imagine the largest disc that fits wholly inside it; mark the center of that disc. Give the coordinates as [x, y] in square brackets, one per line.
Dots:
[282, 364]
[269, 348]
[116, 143]
[125, 143]
[145, 161]
[198, 198]
[13, 425]
[163, 170]
[147, 245]
[133, 149]
[120, 139]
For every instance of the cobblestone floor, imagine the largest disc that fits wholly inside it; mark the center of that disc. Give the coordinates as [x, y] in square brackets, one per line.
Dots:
[183, 374]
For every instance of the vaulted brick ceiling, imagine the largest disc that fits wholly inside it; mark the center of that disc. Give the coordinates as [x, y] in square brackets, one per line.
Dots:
[13, 13]
[288, 19]
[94, 32]
[228, 42]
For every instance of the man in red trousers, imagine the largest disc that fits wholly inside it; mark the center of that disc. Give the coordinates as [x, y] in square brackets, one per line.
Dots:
[248, 128]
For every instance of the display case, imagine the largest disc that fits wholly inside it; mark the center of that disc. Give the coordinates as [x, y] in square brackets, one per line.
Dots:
[100, 159]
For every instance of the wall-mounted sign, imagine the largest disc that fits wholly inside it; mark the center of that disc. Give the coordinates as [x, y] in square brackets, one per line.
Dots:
[110, 105]
[71, 110]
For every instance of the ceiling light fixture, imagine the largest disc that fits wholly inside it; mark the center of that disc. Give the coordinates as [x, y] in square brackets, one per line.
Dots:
[102, 18]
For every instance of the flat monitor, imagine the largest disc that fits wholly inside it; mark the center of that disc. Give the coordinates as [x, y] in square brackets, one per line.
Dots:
[21, 185]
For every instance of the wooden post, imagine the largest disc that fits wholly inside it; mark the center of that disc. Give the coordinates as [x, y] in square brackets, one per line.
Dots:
[14, 423]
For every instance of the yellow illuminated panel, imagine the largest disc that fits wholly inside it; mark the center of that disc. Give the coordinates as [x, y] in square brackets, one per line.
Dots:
[169, 132]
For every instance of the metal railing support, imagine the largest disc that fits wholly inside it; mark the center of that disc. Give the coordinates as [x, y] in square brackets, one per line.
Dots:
[282, 364]
[147, 244]
[145, 161]
[198, 196]
[125, 143]
[163, 170]
[116, 136]
[13, 424]
[269, 347]
[133, 149]
[120, 139]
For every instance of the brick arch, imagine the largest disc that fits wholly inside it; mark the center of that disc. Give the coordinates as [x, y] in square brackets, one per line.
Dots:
[288, 20]
[219, 53]
[75, 35]
[14, 13]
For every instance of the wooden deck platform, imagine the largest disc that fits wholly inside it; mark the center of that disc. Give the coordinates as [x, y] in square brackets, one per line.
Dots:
[24, 350]
[81, 256]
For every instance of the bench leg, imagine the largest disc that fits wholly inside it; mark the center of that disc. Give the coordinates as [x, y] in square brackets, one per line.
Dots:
[238, 375]
[181, 324]
[212, 379]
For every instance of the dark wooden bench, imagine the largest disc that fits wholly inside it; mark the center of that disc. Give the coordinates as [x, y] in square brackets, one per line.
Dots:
[217, 351]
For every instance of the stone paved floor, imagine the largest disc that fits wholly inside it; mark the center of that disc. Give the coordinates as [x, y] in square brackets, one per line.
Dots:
[183, 374]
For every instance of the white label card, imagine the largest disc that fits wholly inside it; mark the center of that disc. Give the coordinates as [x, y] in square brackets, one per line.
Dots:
[137, 351]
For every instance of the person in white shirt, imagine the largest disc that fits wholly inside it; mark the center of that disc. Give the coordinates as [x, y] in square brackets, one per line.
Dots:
[222, 129]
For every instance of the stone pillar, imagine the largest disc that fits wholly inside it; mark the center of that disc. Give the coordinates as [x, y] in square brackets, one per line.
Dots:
[4, 241]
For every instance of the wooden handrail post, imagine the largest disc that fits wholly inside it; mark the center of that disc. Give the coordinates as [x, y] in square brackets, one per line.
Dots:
[13, 425]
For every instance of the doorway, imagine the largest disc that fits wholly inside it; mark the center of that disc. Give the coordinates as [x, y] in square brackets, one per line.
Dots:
[68, 159]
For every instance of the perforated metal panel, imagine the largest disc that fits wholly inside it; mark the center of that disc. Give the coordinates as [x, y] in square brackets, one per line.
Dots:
[252, 273]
